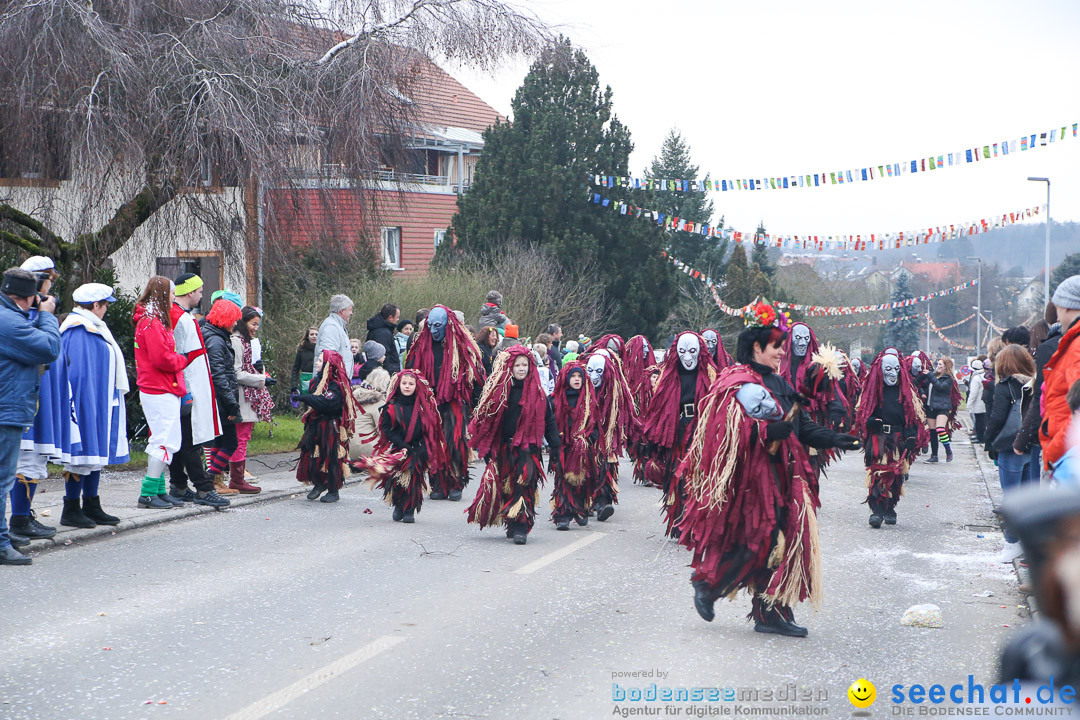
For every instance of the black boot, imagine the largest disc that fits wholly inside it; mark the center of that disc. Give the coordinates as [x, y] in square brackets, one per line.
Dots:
[932, 458]
[437, 495]
[408, 517]
[73, 516]
[875, 519]
[582, 520]
[703, 600]
[398, 513]
[948, 453]
[331, 496]
[316, 490]
[27, 526]
[454, 495]
[92, 509]
[562, 523]
[769, 620]
[890, 517]
[789, 617]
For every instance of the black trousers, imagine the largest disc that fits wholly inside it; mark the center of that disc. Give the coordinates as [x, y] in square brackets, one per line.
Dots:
[188, 462]
[980, 427]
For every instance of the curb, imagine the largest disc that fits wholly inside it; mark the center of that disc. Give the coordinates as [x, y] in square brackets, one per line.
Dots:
[72, 537]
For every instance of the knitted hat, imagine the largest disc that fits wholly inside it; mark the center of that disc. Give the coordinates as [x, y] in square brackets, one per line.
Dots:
[19, 282]
[187, 283]
[374, 351]
[1067, 294]
[511, 331]
[226, 295]
[495, 297]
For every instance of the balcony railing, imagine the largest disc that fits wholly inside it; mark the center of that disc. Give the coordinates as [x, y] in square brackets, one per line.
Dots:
[337, 172]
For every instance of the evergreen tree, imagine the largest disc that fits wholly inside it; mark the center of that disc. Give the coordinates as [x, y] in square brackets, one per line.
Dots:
[528, 185]
[699, 251]
[760, 254]
[1069, 266]
[744, 282]
[902, 334]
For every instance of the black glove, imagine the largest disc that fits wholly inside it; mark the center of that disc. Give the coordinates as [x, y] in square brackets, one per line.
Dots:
[847, 442]
[874, 425]
[555, 462]
[270, 382]
[836, 418]
[294, 391]
[259, 367]
[909, 444]
[779, 430]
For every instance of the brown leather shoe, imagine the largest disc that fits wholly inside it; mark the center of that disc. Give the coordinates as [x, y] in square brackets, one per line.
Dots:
[237, 482]
[222, 488]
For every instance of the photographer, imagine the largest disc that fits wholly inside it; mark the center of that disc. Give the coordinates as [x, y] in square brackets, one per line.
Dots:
[27, 344]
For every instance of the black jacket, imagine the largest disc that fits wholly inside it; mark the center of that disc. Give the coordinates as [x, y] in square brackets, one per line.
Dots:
[1029, 431]
[328, 404]
[381, 330]
[806, 430]
[304, 362]
[394, 425]
[219, 351]
[1006, 392]
[512, 414]
[940, 395]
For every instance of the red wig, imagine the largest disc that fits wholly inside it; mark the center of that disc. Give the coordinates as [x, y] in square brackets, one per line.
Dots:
[637, 357]
[224, 314]
[462, 366]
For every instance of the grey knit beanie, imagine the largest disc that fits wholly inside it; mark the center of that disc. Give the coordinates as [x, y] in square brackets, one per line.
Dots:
[494, 297]
[374, 351]
[1067, 294]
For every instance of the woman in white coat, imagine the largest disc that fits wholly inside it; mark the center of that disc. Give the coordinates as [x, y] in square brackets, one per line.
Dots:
[975, 403]
[256, 405]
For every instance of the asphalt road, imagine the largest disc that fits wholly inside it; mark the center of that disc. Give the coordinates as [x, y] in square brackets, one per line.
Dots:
[294, 609]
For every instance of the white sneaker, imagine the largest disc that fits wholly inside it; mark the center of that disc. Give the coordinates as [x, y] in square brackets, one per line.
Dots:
[1010, 552]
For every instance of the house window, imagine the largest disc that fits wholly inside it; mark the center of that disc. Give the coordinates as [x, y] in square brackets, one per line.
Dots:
[391, 247]
[440, 235]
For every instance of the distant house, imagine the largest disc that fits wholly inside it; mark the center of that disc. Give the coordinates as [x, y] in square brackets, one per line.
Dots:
[944, 272]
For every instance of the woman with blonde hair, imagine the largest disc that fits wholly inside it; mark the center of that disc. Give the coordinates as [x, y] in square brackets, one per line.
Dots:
[942, 401]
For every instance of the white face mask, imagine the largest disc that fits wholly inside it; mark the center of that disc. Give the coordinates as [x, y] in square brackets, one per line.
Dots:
[645, 349]
[595, 367]
[856, 365]
[800, 339]
[892, 351]
[916, 366]
[890, 369]
[711, 340]
[759, 403]
[688, 348]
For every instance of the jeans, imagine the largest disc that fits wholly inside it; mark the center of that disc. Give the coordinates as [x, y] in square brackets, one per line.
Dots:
[10, 437]
[1034, 471]
[1012, 473]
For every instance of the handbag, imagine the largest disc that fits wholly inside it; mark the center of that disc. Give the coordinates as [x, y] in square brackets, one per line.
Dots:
[1004, 440]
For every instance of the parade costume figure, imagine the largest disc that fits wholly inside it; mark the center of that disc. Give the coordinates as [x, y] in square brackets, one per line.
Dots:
[889, 420]
[512, 419]
[715, 344]
[446, 354]
[824, 407]
[617, 423]
[686, 375]
[611, 342]
[98, 380]
[576, 413]
[328, 423]
[918, 370]
[637, 358]
[751, 494]
[861, 369]
[411, 445]
[848, 390]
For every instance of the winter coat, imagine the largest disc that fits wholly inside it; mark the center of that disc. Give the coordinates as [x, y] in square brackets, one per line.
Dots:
[487, 356]
[975, 402]
[381, 330]
[492, 316]
[402, 342]
[367, 368]
[27, 344]
[371, 401]
[334, 336]
[1062, 370]
[159, 369]
[1015, 388]
[940, 398]
[219, 351]
[205, 414]
[304, 362]
[1029, 432]
[245, 379]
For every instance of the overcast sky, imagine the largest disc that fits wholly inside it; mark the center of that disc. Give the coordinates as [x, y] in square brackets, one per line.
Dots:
[787, 87]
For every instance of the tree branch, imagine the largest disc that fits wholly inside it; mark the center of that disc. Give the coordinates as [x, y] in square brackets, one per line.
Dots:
[20, 242]
[126, 220]
[49, 240]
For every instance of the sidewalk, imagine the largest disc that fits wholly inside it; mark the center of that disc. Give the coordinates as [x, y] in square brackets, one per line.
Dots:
[120, 493]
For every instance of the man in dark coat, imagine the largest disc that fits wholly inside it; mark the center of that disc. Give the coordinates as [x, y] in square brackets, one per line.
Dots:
[381, 328]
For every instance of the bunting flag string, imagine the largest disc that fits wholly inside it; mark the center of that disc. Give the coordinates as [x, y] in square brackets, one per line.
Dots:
[868, 323]
[958, 323]
[813, 310]
[867, 173]
[993, 327]
[936, 329]
[862, 241]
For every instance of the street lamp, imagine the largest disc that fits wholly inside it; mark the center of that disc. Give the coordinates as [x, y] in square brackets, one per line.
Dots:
[978, 310]
[1046, 275]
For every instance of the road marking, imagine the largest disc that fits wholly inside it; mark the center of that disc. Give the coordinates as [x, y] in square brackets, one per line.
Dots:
[558, 554]
[275, 701]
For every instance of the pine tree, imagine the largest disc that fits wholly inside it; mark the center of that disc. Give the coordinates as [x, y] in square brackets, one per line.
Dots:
[744, 282]
[760, 255]
[528, 185]
[902, 334]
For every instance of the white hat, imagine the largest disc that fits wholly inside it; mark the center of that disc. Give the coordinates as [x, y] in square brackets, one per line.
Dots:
[976, 364]
[92, 293]
[38, 263]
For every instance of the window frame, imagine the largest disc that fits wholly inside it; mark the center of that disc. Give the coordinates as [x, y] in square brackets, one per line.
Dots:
[383, 232]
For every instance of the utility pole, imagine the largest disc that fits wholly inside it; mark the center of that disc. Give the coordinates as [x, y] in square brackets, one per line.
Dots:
[928, 328]
[1046, 273]
[978, 310]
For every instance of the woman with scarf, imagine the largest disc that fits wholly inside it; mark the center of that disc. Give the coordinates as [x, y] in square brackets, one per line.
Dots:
[328, 423]
[410, 445]
[685, 378]
[512, 420]
[890, 422]
[97, 377]
[575, 418]
[751, 492]
[256, 405]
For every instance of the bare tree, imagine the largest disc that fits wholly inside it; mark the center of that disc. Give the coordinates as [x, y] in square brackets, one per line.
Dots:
[139, 104]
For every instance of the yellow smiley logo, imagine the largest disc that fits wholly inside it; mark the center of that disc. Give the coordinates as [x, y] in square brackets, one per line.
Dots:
[862, 693]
